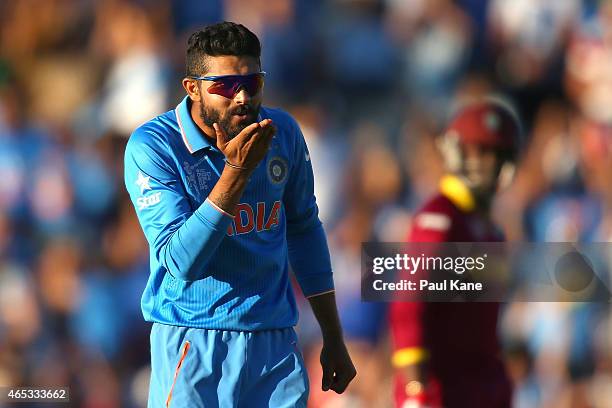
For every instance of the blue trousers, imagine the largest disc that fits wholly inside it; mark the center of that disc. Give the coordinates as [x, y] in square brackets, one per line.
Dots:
[203, 368]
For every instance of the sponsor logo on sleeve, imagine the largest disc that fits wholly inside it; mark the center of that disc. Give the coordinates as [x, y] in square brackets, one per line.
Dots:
[148, 200]
[143, 182]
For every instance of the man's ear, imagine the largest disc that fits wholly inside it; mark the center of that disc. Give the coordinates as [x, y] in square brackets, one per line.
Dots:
[192, 89]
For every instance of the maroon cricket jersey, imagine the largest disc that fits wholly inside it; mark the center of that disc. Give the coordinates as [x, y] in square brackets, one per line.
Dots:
[459, 339]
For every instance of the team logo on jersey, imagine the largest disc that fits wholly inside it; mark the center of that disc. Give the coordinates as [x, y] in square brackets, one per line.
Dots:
[277, 170]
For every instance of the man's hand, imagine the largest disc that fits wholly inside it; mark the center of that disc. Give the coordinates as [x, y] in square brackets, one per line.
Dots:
[249, 147]
[338, 369]
[243, 153]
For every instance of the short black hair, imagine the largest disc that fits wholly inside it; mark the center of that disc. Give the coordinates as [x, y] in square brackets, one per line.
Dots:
[219, 39]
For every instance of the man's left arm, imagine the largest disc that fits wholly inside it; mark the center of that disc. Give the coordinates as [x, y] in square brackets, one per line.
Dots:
[338, 369]
[310, 261]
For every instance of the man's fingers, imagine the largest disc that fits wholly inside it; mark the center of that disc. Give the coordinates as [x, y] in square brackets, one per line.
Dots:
[339, 387]
[342, 380]
[263, 137]
[250, 144]
[222, 138]
[267, 129]
[268, 134]
[247, 132]
[328, 377]
[266, 122]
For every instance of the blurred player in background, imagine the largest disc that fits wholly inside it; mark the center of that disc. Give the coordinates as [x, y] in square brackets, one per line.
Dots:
[223, 189]
[447, 354]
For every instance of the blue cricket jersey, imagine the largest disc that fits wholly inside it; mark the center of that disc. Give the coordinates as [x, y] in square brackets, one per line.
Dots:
[209, 269]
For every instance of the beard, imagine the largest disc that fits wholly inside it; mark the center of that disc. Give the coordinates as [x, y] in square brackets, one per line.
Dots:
[227, 120]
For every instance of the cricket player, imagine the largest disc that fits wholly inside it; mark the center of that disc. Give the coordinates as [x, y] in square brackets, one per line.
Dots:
[447, 354]
[223, 190]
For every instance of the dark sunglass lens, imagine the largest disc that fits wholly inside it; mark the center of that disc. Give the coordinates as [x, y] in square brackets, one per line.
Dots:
[228, 87]
[253, 84]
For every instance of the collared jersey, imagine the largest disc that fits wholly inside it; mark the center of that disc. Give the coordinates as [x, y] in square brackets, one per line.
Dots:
[459, 340]
[210, 269]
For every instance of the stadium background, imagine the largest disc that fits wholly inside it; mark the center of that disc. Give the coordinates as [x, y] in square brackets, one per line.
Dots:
[371, 83]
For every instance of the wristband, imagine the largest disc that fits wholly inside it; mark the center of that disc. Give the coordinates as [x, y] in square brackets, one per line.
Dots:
[233, 166]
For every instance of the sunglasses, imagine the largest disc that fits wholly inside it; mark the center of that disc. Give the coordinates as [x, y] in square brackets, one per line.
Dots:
[229, 85]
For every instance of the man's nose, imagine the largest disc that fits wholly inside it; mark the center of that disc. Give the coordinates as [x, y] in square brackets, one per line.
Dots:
[242, 96]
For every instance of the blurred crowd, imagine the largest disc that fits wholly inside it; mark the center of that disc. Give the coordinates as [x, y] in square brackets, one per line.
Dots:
[371, 82]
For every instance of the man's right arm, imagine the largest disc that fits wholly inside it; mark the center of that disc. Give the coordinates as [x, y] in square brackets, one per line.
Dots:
[181, 239]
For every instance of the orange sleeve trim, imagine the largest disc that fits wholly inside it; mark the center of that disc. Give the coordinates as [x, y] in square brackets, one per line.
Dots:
[409, 356]
[216, 207]
[176, 372]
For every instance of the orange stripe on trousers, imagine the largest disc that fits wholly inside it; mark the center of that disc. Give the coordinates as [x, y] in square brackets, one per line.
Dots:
[176, 372]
